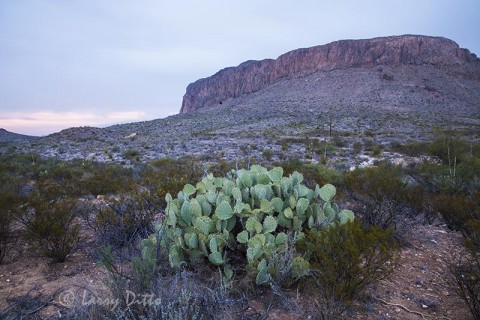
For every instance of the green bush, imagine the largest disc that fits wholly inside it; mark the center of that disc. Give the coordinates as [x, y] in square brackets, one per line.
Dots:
[76, 177]
[290, 165]
[467, 173]
[7, 202]
[381, 196]
[104, 179]
[450, 148]
[170, 175]
[411, 149]
[313, 174]
[267, 154]
[466, 268]
[51, 227]
[122, 221]
[345, 259]
[464, 214]
[472, 234]
[376, 182]
[339, 142]
[456, 178]
[466, 272]
[357, 147]
[377, 151]
[132, 154]
[456, 209]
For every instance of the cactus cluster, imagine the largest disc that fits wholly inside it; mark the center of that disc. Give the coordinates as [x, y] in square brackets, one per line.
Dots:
[254, 208]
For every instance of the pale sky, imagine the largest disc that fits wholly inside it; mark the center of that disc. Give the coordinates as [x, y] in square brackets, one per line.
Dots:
[71, 63]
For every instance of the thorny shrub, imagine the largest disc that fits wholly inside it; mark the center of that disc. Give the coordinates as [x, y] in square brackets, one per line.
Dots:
[51, 227]
[121, 221]
[347, 258]
[466, 269]
[7, 202]
[381, 196]
[164, 176]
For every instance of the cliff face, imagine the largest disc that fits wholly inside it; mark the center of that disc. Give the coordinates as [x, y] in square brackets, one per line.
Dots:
[252, 76]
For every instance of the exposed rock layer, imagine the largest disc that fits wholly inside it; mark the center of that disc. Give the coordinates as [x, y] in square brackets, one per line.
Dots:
[252, 76]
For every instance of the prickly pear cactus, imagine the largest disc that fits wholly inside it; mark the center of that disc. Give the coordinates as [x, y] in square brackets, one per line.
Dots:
[253, 208]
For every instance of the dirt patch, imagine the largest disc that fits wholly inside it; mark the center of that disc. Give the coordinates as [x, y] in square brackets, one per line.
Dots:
[419, 288]
[24, 272]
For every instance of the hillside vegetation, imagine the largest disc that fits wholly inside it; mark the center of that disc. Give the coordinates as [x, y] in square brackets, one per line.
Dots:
[228, 235]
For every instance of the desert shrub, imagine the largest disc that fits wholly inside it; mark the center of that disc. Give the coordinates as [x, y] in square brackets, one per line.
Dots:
[57, 170]
[123, 220]
[51, 227]
[467, 174]
[323, 147]
[322, 308]
[313, 173]
[466, 272]
[16, 172]
[5, 221]
[411, 149]
[345, 259]
[7, 202]
[369, 133]
[103, 179]
[27, 306]
[456, 209]
[267, 154]
[435, 178]
[417, 205]
[19, 163]
[456, 172]
[339, 142]
[456, 178]
[368, 144]
[77, 177]
[182, 295]
[357, 147]
[465, 269]
[131, 154]
[290, 165]
[472, 234]
[321, 174]
[451, 148]
[166, 175]
[376, 182]
[380, 194]
[221, 167]
[387, 76]
[377, 151]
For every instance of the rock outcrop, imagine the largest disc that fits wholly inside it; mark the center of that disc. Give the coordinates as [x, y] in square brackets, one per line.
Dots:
[252, 76]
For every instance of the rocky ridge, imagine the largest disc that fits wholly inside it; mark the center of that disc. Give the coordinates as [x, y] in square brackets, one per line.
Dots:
[394, 51]
[10, 137]
[371, 106]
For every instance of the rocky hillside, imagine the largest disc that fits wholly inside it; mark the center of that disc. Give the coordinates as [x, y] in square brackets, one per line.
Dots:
[339, 101]
[10, 137]
[403, 55]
